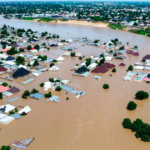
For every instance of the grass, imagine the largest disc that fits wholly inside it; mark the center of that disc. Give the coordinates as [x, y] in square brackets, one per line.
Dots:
[27, 18]
[46, 19]
[116, 26]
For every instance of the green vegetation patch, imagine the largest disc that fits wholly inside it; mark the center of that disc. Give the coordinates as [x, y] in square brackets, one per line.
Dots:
[116, 26]
[46, 19]
[27, 18]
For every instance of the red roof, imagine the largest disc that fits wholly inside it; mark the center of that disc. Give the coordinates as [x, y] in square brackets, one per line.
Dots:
[2, 68]
[122, 64]
[108, 65]
[32, 48]
[3, 88]
[24, 48]
[147, 57]
[100, 69]
[130, 52]
[136, 54]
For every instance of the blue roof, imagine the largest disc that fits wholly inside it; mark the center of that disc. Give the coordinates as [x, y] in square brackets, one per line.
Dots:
[17, 116]
[7, 93]
[48, 60]
[9, 58]
[67, 88]
[28, 81]
[12, 100]
[37, 96]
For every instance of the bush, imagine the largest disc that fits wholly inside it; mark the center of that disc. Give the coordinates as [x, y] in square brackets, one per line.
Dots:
[130, 68]
[34, 91]
[114, 70]
[131, 105]
[54, 60]
[25, 94]
[1, 95]
[72, 54]
[58, 88]
[4, 84]
[42, 84]
[36, 63]
[51, 80]
[67, 98]
[16, 110]
[48, 95]
[143, 60]
[11, 112]
[142, 129]
[147, 81]
[105, 86]
[23, 114]
[5, 148]
[141, 95]
[21, 50]
[80, 58]
[51, 64]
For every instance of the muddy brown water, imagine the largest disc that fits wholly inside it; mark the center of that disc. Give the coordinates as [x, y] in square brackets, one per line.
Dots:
[92, 122]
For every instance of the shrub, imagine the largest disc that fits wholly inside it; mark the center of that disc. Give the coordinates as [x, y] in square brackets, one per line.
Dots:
[115, 54]
[130, 68]
[143, 60]
[42, 84]
[21, 50]
[1, 95]
[147, 81]
[141, 95]
[142, 129]
[72, 54]
[106, 86]
[58, 88]
[23, 114]
[54, 60]
[9, 86]
[51, 80]
[36, 63]
[16, 110]
[48, 95]
[25, 94]
[114, 70]
[5, 148]
[131, 105]
[51, 64]
[4, 84]
[80, 58]
[34, 91]
[11, 112]
[67, 98]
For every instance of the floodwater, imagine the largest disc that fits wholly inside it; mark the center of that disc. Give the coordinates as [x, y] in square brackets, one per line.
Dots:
[92, 122]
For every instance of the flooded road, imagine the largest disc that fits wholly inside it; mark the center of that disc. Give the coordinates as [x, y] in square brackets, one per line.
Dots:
[92, 122]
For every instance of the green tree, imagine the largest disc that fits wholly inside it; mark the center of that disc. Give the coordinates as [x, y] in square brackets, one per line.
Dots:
[48, 95]
[141, 95]
[58, 88]
[106, 86]
[36, 63]
[127, 123]
[34, 91]
[37, 47]
[131, 105]
[29, 47]
[130, 68]
[1, 95]
[114, 70]
[21, 50]
[51, 64]
[20, 60]
[42, 84]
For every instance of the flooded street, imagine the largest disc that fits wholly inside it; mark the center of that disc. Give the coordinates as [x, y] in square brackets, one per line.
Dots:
[92, 122]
